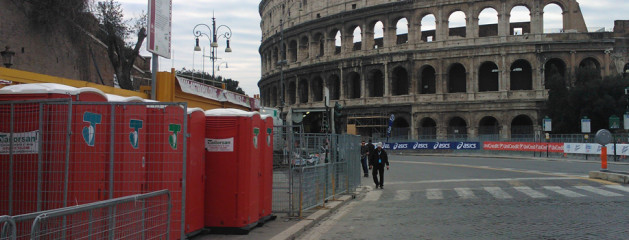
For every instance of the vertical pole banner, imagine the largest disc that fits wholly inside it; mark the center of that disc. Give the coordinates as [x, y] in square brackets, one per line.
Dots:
[391, 119]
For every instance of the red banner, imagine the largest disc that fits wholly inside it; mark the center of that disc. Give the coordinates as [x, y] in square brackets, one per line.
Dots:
[523, 146]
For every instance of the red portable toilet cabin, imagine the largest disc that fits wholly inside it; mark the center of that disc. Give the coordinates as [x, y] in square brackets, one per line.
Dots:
[129, 145]
[232, 194]
[164, 164]
[266, 161]
[88, 148]
[195, 171]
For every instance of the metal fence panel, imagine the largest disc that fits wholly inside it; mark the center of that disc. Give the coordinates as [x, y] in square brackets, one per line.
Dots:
[8, 230]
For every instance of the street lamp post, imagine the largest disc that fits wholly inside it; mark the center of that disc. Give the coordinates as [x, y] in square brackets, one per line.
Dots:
[7, 57]
[282, 62]
[213, 40]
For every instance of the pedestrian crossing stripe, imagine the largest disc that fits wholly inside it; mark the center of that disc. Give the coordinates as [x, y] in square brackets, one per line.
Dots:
[504, 193]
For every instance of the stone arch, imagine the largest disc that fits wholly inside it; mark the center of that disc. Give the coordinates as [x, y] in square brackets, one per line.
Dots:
[400, 81]
[274, 96]
[319, 40]
[553, 13]
[353, 86]
[316, 86]
[336, 36]
[489, 126]
[378, 34]
[334, 85]
[520, 19]
[521, 75]
[274, 57]
[401, 30]
[590, 63]
[303, 91]
[455, 20]
[427, 128]
[304, 46]
[427, 80]
[292, 49]
[429, 27]
[292, 91]
[488, 77]
[375, 83]
[356, 33]
[522, 126]
[488, 22]
[457, 128]
[554, 66]
[400, 128]
[457, 78]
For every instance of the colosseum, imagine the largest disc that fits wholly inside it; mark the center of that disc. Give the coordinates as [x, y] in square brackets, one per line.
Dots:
[407, 58]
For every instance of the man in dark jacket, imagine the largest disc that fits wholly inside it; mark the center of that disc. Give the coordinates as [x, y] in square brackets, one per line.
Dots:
[377, 161]
[364, 154]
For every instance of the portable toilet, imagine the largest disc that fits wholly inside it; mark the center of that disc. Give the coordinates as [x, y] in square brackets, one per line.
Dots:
[195, 171]
[230, 142]
[266, 162]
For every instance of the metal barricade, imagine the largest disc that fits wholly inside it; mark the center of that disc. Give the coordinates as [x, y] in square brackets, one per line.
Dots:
[142, 216]
[8, 230]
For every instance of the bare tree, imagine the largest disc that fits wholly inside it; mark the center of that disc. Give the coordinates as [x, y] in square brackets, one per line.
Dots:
[121, 54]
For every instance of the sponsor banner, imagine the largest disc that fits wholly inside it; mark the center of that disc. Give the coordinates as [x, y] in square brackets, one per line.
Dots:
[23, 143]
[432, 146]
[219, 145]
[523, 146]
[595, 148]
[217, 94]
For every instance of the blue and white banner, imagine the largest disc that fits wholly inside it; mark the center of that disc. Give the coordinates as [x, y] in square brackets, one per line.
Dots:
[595, 148]
[433, 146]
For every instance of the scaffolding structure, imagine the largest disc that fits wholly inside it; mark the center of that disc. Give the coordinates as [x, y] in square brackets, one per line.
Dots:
[369, 123]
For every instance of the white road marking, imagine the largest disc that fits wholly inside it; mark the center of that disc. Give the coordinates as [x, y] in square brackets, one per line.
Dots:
[402, 195]
[434, 194]
[530, 192]
[481, 180]
[465, 193]
[564, 192]
[373, 196]
[497, 192]
[599, 191]
[618, 187]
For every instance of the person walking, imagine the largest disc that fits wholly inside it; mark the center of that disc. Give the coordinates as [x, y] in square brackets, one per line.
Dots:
[377, 161]
[364, 154]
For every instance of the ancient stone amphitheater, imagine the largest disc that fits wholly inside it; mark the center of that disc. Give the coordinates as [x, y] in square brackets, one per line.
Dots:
[481, 78]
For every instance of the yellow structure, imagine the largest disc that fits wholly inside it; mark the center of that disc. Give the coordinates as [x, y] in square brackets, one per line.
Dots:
[169, 89]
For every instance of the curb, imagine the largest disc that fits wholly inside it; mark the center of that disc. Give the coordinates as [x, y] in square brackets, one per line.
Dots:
[297, 229]
[618, 177]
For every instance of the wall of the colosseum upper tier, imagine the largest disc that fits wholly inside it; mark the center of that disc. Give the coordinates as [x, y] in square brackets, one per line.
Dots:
[478, 78]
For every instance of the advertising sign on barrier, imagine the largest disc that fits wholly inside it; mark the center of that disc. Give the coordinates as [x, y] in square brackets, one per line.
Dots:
[433, 145]
[23, 143]
[219, 145]
[523, 146]
[595, 149]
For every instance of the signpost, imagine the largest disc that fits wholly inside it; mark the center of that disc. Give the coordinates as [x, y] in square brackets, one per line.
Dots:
[159, 35]
[603, 137]
[547, 122]
[586, 129]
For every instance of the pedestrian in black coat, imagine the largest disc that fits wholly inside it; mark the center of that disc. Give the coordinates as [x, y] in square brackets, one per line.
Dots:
[377, 161]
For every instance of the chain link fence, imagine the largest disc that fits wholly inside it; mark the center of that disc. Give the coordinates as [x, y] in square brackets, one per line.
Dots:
[310, 169]
[61, 153]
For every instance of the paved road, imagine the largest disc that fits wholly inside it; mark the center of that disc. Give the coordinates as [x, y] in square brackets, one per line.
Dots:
[483, 198]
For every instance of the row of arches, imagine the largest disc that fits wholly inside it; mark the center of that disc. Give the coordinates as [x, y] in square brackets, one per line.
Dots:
[488, 127]
[375, 33]
[457, 79]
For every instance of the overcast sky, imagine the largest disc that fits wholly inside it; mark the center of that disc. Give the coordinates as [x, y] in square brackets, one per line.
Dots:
[244, 20]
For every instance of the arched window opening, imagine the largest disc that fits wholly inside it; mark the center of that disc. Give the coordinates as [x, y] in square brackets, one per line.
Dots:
[488, 23]
[488, 77]
[303, 91]
[334, 85]
[427, 129]
[553, 18]
[319, 40]
[378, 35]
[357, 39]
[427, 84]
[457, 128]
[283, 50]
[274, 57]
[457, 79]
[521, 75]
[625, 71]
[522, 127]
[304, 45]
[293, 51]
[520, 21]
[337, 42]
[400, 129]
[353, 86]
[274, 96]
[457, 24]
[488, 128]
[400, 81]
[401, 31]
[317, 89]
[375, 83]
[554, 73]
[429, 28]
[589, 69]
[292, 90]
